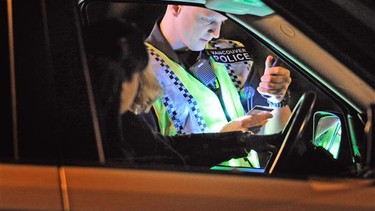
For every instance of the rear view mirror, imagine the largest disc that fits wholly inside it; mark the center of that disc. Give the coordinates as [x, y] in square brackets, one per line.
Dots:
[327, 132]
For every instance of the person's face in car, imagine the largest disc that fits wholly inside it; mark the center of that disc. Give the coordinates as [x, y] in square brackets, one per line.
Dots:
[128, 93]
[148, 91]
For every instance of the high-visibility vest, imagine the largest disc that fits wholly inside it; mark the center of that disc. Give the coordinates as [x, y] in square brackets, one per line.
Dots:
[188, 106]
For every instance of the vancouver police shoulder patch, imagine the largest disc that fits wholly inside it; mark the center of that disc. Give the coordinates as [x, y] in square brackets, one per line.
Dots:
[229, 55]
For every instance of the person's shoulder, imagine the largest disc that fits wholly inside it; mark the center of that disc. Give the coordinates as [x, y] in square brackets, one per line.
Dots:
[225, 43]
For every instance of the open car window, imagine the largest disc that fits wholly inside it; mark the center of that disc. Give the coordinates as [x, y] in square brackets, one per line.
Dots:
[338, 142]
[46, 108]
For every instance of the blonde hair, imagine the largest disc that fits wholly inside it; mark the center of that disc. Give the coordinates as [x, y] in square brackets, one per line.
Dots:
[148, 91]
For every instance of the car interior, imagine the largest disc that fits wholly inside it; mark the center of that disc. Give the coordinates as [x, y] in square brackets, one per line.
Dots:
[51, 152]
[70, 119]
[92, 11]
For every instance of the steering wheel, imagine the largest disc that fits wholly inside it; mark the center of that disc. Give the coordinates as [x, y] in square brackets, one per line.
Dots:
[297, 122]
[295, 127]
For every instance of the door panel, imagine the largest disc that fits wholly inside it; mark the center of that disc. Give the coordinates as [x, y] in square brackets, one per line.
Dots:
[24, 187]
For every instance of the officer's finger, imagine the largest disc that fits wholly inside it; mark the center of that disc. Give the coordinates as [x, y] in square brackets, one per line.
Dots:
[275, 79]
[267, 91]
[268, 63]
[269, 85]
[278, 71]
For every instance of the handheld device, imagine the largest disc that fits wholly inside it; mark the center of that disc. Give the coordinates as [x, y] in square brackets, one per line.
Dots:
[259, 109]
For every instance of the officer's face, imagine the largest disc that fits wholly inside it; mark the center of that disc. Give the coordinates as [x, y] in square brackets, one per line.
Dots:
[196, 26]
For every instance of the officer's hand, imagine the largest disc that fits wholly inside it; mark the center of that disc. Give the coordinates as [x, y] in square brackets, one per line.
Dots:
[246, 122]
[274, 82]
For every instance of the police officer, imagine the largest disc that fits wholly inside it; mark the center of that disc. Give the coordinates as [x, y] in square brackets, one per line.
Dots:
[202, 78]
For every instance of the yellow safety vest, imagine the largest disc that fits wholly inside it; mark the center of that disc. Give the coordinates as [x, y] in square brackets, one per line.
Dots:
[188, 106]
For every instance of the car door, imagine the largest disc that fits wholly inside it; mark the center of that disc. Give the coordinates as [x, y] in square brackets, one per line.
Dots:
[45, 114]
[50, 156]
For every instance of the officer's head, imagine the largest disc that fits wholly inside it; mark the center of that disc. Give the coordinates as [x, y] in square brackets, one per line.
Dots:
[191, 27]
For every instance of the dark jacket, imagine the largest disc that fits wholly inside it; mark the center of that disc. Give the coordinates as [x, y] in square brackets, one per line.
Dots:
[142, 146]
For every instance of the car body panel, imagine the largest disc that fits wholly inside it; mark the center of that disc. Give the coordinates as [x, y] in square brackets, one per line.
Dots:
[29, 187]
[38, 188]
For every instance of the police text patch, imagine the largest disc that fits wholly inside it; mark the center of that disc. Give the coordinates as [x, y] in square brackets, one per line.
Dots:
[229, 55]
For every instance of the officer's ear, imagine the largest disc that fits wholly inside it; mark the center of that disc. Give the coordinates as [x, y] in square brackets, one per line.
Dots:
[175, 9]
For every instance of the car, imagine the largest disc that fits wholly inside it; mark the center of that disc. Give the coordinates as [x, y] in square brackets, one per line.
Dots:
[51, 154]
